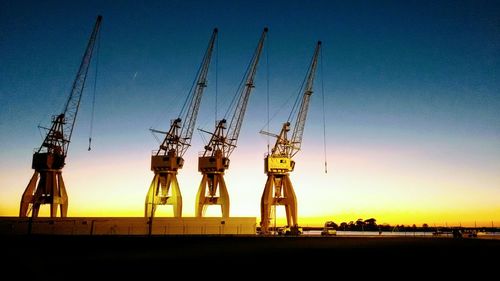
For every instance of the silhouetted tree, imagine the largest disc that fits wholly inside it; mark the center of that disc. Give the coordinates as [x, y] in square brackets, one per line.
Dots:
[386, 227]
[343, 226]
[371, 224]
[351, 226]
[360, 224]
[371, 221]
[332, 225]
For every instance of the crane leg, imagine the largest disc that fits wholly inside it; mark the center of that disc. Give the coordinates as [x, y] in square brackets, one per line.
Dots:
[212, 182]
[44, 193]
[53, 210]
[276, 185]
[175, 199]
[27, 198]
[36, 208]
[50, 189]
[54, 190]
[164, 190]
[41, 193]
[223, 196]
[64, 196]
[266, 203]
[200, 197]
[291, 202]
[150, 207]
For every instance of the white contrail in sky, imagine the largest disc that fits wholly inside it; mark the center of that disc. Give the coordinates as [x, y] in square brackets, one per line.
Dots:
[135, 75]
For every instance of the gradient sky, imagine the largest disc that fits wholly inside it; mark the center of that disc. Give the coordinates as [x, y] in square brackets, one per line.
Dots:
[412, 92]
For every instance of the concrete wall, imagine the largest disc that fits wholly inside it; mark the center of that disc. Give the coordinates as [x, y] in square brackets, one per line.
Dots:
[128, 226]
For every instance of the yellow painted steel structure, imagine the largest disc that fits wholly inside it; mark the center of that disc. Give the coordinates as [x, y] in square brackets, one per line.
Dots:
[278, 164]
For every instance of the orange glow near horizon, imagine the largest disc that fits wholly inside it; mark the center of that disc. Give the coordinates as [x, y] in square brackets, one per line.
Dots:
[390, 190]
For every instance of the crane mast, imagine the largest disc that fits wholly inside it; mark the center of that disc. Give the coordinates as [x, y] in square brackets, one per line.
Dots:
[278, 164]
[167, 160]
[50, 157]
[215, 159]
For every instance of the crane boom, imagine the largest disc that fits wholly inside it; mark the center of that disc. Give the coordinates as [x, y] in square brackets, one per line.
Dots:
[180, 141]
[243, 95]
[59, 136]
[298, 130]
[201, 84]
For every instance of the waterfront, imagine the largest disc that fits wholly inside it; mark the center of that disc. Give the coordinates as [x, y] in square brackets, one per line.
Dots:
[449, 234]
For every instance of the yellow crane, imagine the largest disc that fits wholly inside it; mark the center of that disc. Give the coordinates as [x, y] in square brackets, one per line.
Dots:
[50, 158]
[278, 164]
[167, 160]
[213, 162]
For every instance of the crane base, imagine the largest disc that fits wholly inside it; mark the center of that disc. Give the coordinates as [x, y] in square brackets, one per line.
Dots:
[278, 191]
[164, 190]
[207, 194]
[49, 189]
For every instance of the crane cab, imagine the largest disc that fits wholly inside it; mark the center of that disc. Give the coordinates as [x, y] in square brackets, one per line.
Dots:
[215, 163]
[169, 162]
[47, 161]
[278, 164]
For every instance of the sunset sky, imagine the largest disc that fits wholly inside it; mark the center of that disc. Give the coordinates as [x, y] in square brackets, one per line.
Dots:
[412, 97]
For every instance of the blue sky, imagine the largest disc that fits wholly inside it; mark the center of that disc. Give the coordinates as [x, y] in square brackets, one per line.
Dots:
[397, 75]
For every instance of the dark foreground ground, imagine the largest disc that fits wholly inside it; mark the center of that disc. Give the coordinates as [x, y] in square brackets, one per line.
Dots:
[156, 256]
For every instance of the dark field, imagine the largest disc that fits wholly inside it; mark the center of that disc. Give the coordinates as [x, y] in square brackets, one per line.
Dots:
[160, 254]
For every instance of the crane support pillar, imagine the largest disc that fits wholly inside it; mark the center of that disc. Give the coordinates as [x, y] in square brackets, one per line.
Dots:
[207, 194]
[164, 190]
[278, 191]
[50, 190]
[212, 169]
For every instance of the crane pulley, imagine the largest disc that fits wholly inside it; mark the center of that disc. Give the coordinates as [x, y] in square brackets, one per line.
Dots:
[50, 157]
[165, 162]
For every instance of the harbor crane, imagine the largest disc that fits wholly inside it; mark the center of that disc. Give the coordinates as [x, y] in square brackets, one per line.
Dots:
[167, 160]
[278, 164]
[50, 158]
[213, 162]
